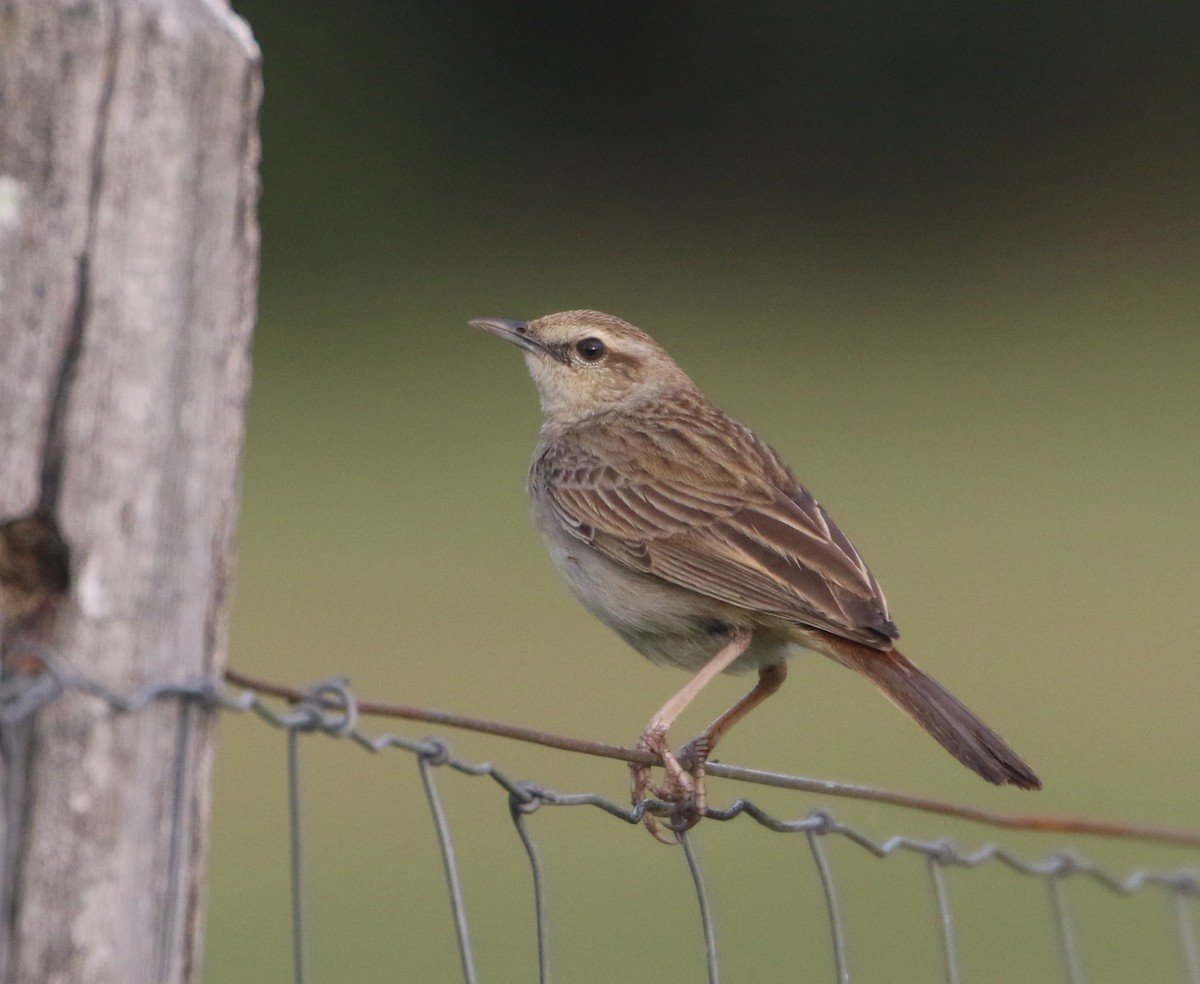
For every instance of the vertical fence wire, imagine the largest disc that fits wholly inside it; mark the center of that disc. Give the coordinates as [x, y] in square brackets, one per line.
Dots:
[832, 909]
[425, 761]
[293, 782]
[706, 922]
[517, 809]
[1185, 927]
[165, 946]
[945, 918]
[1064, 924]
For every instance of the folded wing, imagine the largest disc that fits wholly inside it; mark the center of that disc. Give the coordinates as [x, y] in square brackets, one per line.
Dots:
[708, 506]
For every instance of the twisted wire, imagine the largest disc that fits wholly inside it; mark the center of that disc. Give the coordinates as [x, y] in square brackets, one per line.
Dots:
[330, 708]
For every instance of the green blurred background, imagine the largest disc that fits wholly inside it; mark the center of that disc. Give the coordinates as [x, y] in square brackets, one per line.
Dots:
[944, 256]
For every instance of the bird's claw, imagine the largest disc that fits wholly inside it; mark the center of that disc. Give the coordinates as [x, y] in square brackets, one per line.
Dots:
[694, 757]
[695, 753]
[683, 787]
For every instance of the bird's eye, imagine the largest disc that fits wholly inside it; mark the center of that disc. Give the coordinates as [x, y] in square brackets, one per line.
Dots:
[591, 349]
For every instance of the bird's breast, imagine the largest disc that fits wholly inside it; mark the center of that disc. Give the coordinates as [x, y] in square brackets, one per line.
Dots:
[665, 623]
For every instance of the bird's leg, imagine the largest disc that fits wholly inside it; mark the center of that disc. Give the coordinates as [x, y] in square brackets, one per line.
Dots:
[678, 785]
[695, 753]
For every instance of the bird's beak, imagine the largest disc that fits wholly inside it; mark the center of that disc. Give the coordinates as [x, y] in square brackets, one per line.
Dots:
[516, 332]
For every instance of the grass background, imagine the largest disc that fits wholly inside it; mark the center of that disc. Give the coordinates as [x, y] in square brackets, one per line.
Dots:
[942, 256]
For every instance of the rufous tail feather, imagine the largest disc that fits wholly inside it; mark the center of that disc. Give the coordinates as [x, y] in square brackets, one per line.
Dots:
[938, 711]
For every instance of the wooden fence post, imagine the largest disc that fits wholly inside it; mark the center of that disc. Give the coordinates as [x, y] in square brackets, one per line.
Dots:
[128, 264]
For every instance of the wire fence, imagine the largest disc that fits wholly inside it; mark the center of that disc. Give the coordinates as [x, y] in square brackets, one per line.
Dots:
[330, 708]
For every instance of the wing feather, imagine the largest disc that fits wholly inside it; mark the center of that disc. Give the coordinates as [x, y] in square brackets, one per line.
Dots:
[697, 500]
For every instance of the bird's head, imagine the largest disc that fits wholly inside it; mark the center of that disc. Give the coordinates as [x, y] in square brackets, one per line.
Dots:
[585, 363]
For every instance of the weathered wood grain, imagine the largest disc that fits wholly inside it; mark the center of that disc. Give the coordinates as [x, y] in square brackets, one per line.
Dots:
[128, 263]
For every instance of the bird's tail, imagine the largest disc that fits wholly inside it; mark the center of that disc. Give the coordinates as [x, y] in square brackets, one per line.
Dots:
[936, 710]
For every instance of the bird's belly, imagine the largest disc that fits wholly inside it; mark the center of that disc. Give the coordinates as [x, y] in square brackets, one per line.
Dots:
[666, 624]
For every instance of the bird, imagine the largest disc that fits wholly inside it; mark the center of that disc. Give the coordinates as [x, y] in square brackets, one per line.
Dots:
[685, 533]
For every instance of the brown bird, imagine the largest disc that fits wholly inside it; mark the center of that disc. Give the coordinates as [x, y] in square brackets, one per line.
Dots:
[685, 533]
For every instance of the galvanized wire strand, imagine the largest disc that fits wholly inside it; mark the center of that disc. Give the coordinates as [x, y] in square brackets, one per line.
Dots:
[330, 707]
[1062, 862]
[26, 694]
[1041, 823]
[518, 809]
[837, 932]
[945, 918]
[436, 753]
[164, 944]
[706, 921]
[294, 839]
[1185, 928]
[1064, 925]
[815, 826]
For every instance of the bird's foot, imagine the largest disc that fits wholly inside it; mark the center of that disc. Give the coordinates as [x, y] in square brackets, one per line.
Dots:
[695, 753]
[693, 758]
[678, 787]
